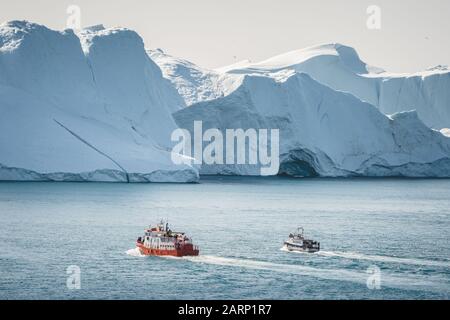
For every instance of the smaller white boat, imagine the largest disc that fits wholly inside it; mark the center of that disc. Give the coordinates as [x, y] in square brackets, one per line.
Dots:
[297, 242]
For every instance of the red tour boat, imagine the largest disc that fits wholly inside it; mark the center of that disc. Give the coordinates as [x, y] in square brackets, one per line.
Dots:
[161, 241]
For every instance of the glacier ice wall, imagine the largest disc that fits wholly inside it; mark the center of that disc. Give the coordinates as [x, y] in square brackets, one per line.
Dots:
[323, 132]
[84, 107]
[339, 67]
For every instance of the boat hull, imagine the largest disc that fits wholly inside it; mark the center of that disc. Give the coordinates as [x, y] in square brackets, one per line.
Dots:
[187, 250]
[298, 248]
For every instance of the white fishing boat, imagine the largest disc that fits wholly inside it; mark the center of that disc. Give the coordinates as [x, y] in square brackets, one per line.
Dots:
[297, 242]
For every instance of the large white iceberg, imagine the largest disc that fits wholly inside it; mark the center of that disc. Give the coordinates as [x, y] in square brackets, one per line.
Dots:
[327, 104]
[323, 132]
[194, 83]
[93, 106]
[340, 68]
[84, 107]
[334, 65]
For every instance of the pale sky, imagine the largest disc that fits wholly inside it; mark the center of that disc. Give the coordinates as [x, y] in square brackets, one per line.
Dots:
[414, 35]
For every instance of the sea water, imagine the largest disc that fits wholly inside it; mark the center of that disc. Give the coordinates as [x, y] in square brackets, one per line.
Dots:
[380, 239]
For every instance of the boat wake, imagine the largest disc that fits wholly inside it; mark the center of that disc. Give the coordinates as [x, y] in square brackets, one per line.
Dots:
[135, 252]
[400, 281]
[376, 258]
[388, 259]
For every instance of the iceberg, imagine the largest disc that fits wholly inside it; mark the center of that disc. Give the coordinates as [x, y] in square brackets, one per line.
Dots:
[96, 106]
[340, 67]
[323, 132]
[337, 116]
[335, 65]
[194, 83]
[90, 106]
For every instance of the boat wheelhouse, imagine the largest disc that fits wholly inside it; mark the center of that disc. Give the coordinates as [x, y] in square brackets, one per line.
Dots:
[162, 241]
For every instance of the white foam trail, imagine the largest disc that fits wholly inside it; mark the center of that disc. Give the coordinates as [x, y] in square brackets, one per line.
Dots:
[135, 252]
[407, 282]
[299, 252]
[375, 258]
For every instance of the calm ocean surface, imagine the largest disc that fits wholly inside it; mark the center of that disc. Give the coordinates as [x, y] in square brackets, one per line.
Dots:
[401, 227]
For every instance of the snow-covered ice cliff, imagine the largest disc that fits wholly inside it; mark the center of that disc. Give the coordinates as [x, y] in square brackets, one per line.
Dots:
[327, 104]
[335, 65]
[84, 107]
[339, 67]
[195, 84]
[323, 132]
[93, 106]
